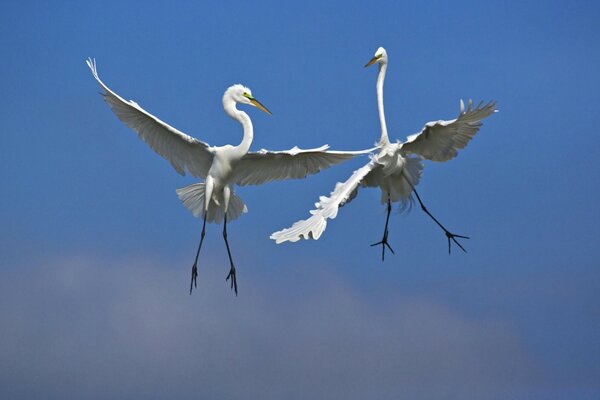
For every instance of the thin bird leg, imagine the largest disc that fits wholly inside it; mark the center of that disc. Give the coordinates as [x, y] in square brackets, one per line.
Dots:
[384, 242]
[449, 235]
[195, 266]
[232, 269]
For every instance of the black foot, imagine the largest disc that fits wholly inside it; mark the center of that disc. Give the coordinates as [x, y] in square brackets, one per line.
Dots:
[233, 279]
[384, 242]
[194, 277]
[452, 236]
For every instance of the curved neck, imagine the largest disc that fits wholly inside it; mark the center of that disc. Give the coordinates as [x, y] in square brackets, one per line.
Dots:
[244, 120]
[380, 78]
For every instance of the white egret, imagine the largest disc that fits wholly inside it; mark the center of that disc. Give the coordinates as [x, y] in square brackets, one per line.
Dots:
[222, 167]
[396, 168]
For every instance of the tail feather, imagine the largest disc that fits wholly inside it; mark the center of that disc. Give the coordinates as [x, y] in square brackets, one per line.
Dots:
[400, 184]
[193, 198]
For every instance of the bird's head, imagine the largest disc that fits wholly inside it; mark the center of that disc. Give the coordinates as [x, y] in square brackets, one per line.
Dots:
[380, 57]
[243, 95]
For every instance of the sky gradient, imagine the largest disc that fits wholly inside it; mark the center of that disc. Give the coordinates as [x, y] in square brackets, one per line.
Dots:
[96, 249]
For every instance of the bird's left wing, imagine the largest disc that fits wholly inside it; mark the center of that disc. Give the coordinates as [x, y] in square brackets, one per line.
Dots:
[263, 166]
[182, 151]
[326, 208]
[441, 140]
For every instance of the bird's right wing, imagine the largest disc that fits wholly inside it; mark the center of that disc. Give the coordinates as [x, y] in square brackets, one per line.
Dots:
[182, 151]
[327, 208]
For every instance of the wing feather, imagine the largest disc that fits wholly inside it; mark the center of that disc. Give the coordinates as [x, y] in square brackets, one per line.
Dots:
[182, 151]
[326, 208]
[441, 140]
[256, 168]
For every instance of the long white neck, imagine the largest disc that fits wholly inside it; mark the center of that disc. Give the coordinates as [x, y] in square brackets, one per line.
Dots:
[244, 120]
[380, 78]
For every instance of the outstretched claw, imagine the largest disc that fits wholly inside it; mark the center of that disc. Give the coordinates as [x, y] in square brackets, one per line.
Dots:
[233, 279]
[384, 242]
[193, 283]
[449, 235]
[453, 236]
[232, 269]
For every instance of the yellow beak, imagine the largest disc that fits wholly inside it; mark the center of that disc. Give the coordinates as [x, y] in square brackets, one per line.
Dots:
[258, 105]
[373, 61]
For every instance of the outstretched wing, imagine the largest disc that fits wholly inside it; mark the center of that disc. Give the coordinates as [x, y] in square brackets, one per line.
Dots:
[441, 140]
[327, 208]
[182, 151]
[256, 168]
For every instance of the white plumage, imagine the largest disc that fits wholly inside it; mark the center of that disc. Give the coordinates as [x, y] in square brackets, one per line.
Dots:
[441, 140]
[222, 167]
[193, 198]
[326, 208]
[396, 168]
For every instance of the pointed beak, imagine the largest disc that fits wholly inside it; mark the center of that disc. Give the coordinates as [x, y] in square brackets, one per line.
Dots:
[258, 105]
[373, 61]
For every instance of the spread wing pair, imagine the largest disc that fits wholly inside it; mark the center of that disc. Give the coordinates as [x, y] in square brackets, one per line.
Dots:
[437, 141]
[186, 153]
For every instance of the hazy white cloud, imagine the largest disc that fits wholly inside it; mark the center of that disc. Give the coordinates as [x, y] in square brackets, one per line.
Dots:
[121, 329]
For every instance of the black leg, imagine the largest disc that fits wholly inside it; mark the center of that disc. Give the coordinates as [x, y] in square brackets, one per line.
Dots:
[232, 269]
[449, 235]
[195, 266]
[384, 242]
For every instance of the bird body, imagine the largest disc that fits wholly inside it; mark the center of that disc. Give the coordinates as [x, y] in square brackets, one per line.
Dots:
[393, 173]
[396, 168]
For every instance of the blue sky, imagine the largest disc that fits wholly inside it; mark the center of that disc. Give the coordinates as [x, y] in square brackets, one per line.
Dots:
[96, 249]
